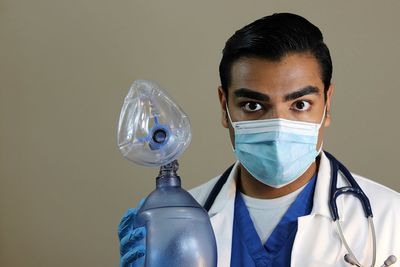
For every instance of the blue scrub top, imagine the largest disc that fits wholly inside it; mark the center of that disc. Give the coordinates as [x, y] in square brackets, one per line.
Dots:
[247, 249]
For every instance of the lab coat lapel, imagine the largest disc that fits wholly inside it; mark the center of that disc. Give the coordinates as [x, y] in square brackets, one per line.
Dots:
[221, 216]
[316, 242]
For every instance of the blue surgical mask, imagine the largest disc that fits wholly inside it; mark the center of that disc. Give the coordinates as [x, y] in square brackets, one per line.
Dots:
[276, 151]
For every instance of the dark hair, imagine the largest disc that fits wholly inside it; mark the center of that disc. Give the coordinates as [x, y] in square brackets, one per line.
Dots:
[273, 37]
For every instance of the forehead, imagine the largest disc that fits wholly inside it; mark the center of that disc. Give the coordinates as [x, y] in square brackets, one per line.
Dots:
[278, 77]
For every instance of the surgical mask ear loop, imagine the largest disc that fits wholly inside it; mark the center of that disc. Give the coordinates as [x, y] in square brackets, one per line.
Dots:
[323, 117]
[319, 127]
[232, 123]
[229, 116]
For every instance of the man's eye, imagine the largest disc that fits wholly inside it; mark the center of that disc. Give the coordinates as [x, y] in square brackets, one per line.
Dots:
[251, 107]
[301, 105]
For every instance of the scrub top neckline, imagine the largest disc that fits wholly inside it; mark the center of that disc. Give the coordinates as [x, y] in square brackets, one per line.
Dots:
[280, 237]
[272, 203]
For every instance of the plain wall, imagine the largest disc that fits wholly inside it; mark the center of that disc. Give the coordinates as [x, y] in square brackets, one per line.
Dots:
[66, 66]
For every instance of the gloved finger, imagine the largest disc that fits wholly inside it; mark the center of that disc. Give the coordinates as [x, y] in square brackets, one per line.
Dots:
[127, 220]
[141, 203]
[130, 239]
[126, 223]
[134, 256]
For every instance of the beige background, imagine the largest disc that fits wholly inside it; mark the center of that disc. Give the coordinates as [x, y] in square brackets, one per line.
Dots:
[65, 67]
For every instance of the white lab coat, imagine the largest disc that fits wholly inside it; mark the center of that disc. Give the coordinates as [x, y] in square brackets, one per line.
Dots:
[317, 243]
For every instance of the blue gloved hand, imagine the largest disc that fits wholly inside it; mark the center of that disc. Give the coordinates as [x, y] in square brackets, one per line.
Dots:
[132, 250]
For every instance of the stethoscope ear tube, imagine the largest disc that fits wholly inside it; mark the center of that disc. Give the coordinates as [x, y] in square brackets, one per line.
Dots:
[353, 189]
[350, 257]
[332, 199]
[217, 188]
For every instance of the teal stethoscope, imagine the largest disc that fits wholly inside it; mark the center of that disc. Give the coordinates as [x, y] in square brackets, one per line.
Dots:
[353, 188]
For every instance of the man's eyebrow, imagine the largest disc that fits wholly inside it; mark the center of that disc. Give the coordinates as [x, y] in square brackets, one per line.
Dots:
[244, 92]
[308, 90]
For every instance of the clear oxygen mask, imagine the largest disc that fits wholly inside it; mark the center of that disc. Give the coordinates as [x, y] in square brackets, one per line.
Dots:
[152, 129]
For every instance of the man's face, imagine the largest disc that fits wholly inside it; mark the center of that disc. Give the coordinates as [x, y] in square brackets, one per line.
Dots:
[290, 88]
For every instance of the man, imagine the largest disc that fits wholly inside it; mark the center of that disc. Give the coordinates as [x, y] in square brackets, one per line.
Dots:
[272, 208]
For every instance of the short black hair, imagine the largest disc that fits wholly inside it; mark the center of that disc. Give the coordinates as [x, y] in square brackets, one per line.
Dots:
[273, 37]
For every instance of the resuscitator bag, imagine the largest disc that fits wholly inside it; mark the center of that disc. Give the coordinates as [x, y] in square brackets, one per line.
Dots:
[152, 130]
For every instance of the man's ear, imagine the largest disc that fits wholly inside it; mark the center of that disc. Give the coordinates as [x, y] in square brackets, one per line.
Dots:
[223, 103]
[329, 94]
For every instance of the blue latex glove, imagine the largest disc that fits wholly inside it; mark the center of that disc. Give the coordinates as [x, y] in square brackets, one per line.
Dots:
[132, 250]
